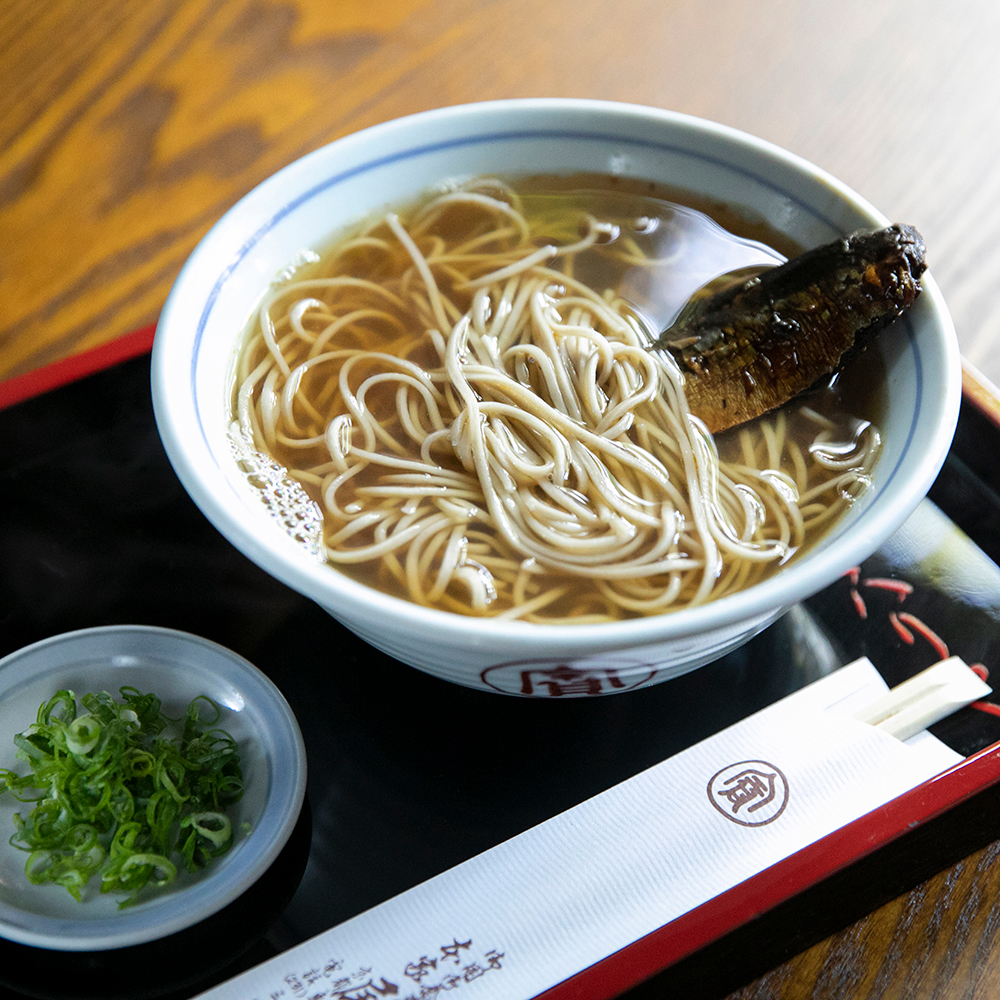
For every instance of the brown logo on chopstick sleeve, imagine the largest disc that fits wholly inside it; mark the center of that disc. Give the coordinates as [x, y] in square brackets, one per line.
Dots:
[750, 792]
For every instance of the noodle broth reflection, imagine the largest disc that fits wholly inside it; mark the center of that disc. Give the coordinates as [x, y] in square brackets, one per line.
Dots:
[463, 388]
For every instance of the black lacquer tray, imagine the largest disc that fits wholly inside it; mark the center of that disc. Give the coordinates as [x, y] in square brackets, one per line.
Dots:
[409, 775]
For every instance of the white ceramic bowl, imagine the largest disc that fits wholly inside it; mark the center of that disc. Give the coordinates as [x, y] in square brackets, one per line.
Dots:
[176, 667]
[301, 205]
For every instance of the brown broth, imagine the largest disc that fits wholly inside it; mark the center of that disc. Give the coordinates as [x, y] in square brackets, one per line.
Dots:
[699, 240]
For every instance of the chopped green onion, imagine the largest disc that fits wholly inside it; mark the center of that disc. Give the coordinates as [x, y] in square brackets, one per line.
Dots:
[162, 869]
[213, 826]
[111, 794]
[81, 838]
[82, 734]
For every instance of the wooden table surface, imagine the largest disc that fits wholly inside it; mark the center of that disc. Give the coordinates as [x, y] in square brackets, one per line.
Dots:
[127, 127]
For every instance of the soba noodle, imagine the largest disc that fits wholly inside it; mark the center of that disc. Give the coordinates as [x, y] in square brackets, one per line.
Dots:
[484, 431]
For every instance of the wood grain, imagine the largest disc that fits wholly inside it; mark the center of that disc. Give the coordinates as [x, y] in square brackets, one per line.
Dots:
[941, 940]
[127, 127]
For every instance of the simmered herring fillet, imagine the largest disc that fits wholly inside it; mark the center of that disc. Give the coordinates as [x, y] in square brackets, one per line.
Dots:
[756, 345]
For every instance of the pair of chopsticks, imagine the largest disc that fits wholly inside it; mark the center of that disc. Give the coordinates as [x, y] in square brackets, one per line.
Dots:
[924, 699]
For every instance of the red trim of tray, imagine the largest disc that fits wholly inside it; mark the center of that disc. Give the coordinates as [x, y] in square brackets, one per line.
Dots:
[764, 891]
[76, 366]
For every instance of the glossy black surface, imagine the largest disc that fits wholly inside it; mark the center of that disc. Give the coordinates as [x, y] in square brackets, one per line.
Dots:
[408, 775]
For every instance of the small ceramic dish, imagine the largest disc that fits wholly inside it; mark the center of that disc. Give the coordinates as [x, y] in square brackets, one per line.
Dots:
[177, 667]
